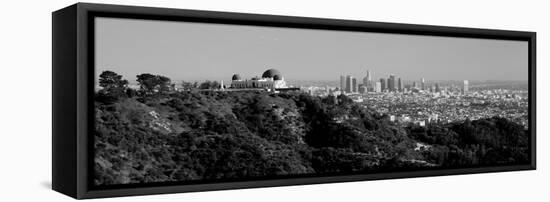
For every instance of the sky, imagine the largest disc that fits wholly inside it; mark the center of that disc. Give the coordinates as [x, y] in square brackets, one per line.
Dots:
[206, 51]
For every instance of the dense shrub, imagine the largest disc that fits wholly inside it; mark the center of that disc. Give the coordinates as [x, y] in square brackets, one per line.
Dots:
[207, 135]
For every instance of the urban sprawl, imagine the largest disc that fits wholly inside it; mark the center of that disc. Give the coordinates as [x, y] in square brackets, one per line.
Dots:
[420, 102]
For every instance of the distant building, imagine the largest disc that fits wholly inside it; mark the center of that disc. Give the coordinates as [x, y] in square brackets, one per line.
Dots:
[378, 87]
[367, 80]
[271, 79]
[399, 85]
[465, 87]
[342, 83]
[348, 84]
[433, 118]
[383, 84]
[353, 85]
[437, 89]
[392, 83]
[422, 123]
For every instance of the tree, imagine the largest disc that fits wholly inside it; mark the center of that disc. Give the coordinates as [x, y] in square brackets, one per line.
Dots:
[112, 83]
[131, 92]
[146, 82]
[163, 83]
[187, 85]
[344, 100]
[209, 85]
[153, 83]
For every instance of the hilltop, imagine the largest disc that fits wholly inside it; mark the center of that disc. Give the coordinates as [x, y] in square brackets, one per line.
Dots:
[210, 135]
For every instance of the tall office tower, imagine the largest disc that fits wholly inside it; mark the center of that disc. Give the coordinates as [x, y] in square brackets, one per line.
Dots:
[399, 84]
[367, 79]
[415, 85]
[392, 83]
[378, 87]
[465, 87]
[382, 84]
[369, 76]
[348, 84]
[422, 84]
[342, 83]
[437, 89]
[353, 85]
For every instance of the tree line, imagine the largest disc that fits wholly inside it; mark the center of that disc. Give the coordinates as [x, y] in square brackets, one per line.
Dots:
[113, 85]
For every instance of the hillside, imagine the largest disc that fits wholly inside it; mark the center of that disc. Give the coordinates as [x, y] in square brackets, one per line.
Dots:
[233, 135]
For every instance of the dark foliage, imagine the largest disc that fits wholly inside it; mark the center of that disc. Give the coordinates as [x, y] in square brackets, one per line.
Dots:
[490, 141]
[202, 135]
[209, 85]
[112, 86]
[153, 83]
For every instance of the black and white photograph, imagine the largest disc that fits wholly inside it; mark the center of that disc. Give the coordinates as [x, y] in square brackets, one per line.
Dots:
[192, 102]
[275, 101]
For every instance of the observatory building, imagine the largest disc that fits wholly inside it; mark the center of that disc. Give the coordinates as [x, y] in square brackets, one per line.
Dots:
[271, 79]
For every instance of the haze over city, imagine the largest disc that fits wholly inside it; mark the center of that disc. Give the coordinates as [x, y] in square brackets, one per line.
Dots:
[200, 51]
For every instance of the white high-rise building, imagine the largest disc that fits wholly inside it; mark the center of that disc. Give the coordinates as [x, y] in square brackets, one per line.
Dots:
[465, 87]
[349, 84]
[378, 87]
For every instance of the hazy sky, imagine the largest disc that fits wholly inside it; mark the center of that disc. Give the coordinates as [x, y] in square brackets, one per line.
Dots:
[200, 51]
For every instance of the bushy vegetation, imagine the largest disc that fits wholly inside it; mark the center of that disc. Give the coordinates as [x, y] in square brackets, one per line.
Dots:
[154, 135]
[490, 141]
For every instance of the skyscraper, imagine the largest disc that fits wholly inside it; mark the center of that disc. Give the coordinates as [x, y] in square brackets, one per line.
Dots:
[382, 84]
[353, 85]
[369, 75]
[342, 83]
[399, 85]
[367, 80]
[437, 89]
[348, 84]
[392, 83]
[378, 87]
[465, 87]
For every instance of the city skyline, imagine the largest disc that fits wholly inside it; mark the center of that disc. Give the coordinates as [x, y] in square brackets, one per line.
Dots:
[393, 83]
[199, 51]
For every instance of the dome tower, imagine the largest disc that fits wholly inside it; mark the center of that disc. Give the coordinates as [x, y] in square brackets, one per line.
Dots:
[272, 73]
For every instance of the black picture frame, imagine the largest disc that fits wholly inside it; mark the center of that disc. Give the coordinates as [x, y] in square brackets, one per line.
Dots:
[73, 86]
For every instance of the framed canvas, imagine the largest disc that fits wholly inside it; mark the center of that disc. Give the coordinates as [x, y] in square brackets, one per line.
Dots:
[156, 100]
